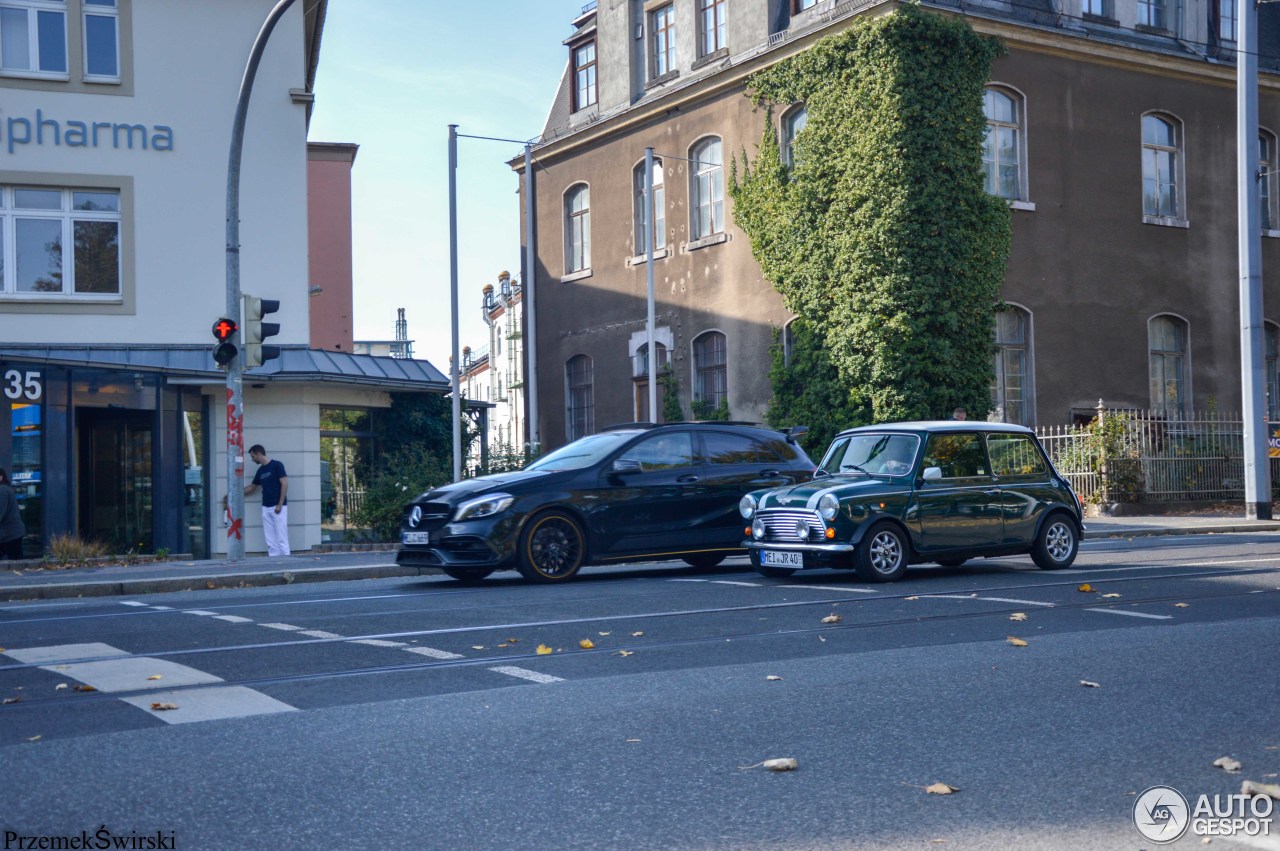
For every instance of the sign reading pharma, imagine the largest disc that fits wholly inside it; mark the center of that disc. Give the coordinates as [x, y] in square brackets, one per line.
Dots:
[42, 130]
[1163, 815]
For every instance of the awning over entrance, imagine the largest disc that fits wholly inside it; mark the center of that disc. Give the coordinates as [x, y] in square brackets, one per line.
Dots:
[295, 364]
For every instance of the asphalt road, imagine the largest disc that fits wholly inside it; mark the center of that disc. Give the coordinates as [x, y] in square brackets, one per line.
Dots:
[421, 713]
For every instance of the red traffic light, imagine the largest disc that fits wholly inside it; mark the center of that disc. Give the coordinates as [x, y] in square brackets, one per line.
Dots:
[223, 329]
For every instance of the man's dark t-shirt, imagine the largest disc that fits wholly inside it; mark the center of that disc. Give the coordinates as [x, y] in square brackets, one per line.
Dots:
[268, 478]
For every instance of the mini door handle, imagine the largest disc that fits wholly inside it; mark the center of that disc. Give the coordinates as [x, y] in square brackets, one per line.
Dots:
[686, 480]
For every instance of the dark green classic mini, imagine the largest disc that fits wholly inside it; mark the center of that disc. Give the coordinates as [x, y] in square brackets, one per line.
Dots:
[891, 495]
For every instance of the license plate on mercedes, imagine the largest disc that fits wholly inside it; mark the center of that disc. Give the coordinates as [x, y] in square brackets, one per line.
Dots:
[774, 558]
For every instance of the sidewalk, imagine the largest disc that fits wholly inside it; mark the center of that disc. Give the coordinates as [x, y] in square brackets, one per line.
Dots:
[131, 580]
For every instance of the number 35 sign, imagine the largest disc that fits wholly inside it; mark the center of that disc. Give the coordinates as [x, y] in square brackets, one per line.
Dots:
[21, 385]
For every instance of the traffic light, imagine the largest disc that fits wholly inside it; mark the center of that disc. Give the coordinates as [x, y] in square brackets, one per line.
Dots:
[255, 330]
[225, 352]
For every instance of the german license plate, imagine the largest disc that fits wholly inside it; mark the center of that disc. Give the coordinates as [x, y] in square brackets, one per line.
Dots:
[415, 537]
[773, 558]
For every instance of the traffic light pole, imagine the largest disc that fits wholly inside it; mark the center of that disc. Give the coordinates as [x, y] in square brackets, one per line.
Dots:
[235, 369]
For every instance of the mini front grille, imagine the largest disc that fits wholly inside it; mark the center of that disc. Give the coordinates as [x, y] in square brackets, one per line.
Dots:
[780, 524]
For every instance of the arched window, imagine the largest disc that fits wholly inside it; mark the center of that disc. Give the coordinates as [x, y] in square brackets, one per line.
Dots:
[579, 398]
[789, 341]
[1011, 389]
[1272, 355]
[1161, 167]
[641, 216]
[1002, 145]
[707, 191]
[710, 372]
[1266, 177]
[792, 123]
[1167, 356]
[577, 228]
[640, 374]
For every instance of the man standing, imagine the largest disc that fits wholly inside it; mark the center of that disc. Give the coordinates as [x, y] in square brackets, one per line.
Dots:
[274, 482]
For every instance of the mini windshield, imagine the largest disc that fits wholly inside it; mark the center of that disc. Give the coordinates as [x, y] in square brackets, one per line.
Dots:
[872, 454]
[582, 452]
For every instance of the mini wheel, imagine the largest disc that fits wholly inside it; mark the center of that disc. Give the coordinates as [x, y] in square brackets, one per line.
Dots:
[1056, 544]
[552, 548]
[883, 554]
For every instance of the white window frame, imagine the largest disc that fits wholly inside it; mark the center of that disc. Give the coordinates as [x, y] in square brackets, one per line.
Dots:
[1150, 153]
[706, 207]
[1156, 13]
[640, 210]
[577, 230]
[100, 11]
[33, 8]
[1227, 21]
[1096, 8]
[713, 32]
[1165, 355]
[68, 217]
[798, 114]
[990, 153]
[664, 52]
[586, 91]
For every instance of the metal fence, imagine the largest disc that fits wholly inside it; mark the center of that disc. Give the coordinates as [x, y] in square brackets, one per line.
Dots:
[1145, 456]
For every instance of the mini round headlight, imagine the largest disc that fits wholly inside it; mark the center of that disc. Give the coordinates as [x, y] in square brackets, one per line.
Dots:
[747, 506]
[828, 506]
[757, 529]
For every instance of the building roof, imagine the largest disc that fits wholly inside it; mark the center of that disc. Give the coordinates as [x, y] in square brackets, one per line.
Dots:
[295, 364]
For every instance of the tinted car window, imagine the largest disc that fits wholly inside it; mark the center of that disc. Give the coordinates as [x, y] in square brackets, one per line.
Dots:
[725, 448]
[1015, 455]
[959, 455]
[582, 453]
[663, 451]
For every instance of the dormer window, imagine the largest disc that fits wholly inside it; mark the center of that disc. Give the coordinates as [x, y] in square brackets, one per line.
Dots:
[584, 75]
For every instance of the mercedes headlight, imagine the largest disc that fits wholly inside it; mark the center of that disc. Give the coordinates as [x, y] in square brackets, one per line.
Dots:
[484, 506]
[747, 506]
[828, 506]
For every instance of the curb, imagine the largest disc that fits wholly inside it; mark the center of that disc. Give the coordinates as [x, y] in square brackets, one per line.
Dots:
[201, 582]
[1144, 532]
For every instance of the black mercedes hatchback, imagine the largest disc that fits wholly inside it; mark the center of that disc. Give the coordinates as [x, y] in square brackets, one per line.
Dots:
[630, 492]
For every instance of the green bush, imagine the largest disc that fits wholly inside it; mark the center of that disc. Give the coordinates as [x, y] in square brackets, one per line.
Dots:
[400, 476]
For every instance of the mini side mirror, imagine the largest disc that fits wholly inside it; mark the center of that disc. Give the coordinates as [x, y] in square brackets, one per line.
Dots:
[932, 474]
[626, 465]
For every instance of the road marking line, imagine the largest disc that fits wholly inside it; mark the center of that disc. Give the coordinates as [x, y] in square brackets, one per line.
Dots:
[744, 584]
[125, 672]
[285, 626]
[319, 633]
[377, 642]
[1132, 614]
[525, 674]
[232, 619]
[163, 608]
[948, 597]
[433, 653]
[200, 612]
[830, 588]
[688, 580]
[1019, 602]
[131, 603]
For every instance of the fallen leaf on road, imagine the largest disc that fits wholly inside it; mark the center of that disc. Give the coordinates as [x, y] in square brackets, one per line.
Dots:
[586, 644]
[832, 619]
[773, 678]
[636, 634]
[210, 584]
[1111, 595]
[940, 789]
[1016, 642]
[477, 647]
[1086, 588]
[85, 688]
[10, 700]
[1271, 790]
[1226, 763]
[604, 633]
[35, 738]
[1271, 747]
[543, 650]
[633, 740]
[823, 640]
[59, 686]
[783, 764]
[1181, 606]
[154, 677]
[513, 641]
[912, 598]
[1018, 616]
[502, 645]
[160, 707]
[1089, 684]
[624, 653]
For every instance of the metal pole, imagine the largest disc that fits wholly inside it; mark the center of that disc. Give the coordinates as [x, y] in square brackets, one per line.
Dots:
[648, 277]
[235, 369]
[454, 364]
[1257, 466]
[531, 315]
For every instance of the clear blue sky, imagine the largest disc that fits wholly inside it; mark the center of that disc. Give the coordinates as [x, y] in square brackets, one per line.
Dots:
[393, 75]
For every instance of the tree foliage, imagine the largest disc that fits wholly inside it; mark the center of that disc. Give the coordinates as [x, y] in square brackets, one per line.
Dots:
[804, 392]
[881, 237]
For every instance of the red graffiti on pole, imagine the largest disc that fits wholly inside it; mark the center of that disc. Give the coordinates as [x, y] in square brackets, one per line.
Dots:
[235, 445]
